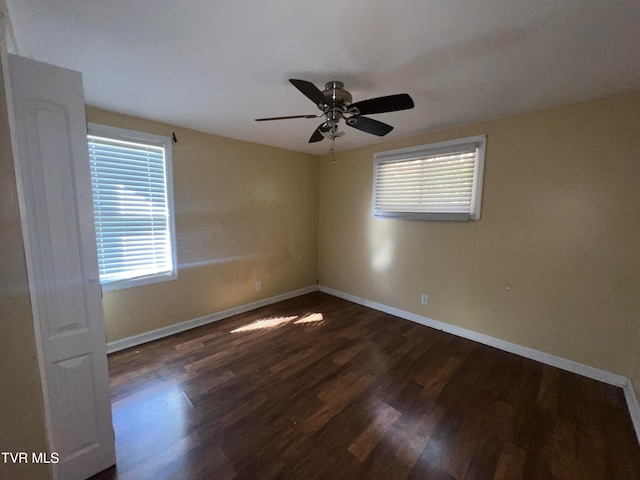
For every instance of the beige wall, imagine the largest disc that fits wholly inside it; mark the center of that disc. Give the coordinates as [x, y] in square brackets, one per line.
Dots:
[554, 262]
[244, 213]
[22, 423]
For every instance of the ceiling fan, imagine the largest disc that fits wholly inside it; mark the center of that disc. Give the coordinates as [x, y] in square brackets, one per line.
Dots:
[335, 103]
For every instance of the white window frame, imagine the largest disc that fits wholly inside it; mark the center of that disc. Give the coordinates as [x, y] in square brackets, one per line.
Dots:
[429, 150]
[157, 141]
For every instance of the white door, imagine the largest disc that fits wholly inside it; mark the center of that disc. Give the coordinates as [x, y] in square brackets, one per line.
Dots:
[54, 178]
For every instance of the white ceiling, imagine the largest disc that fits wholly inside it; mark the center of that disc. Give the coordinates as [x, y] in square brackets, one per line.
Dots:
[216, 65]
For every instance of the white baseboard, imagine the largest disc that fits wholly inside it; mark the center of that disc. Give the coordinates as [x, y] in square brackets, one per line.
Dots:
[159, 333]
[542, 357]
[546, 358]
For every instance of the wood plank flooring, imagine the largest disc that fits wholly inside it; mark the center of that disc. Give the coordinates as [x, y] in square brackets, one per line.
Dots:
[319, 388]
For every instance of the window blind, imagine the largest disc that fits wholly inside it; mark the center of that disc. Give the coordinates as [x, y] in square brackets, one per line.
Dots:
[429, 183]
[131, 209]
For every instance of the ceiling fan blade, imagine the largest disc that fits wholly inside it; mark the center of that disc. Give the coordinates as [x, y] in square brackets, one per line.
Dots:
[390, 103]
[317, 136]
[369, 125]
[309, 90]
[286, 118]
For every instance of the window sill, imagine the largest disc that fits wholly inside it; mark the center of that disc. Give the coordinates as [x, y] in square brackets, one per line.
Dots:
[138, 282]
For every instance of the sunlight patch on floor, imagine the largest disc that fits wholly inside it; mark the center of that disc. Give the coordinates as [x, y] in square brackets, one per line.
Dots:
[274, 322]
[310, 318]
[265, 323]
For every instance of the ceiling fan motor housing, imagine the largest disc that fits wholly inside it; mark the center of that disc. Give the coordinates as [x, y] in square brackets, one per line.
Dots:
[335, 107]
[336, 94]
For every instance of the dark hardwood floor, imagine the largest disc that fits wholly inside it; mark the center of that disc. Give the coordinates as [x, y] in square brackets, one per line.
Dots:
[354, 393]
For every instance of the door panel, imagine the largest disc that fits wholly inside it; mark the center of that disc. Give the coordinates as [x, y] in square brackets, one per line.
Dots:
[62, 262]
[47, 128]
[82, 411]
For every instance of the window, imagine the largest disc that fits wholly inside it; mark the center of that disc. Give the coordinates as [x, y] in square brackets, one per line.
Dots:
[439, 181]
[133, 206]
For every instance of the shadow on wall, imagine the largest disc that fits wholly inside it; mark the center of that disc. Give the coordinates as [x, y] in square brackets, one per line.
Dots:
[253, 236]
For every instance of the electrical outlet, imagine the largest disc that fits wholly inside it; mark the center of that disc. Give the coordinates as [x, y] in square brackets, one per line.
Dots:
[424, 300]
[258, 285]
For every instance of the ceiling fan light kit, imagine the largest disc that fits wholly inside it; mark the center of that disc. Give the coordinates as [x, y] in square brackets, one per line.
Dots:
[335, 103]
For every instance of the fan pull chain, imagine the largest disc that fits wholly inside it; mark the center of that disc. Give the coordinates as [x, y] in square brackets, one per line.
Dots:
[332, 151]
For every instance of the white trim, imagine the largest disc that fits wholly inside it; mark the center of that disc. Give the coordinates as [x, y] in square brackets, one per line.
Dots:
[98, 130]
[634, 408]
[546, 358]
[166, 143]
[447, 146]
[476, 144]
[8, 31]
[159, 333]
